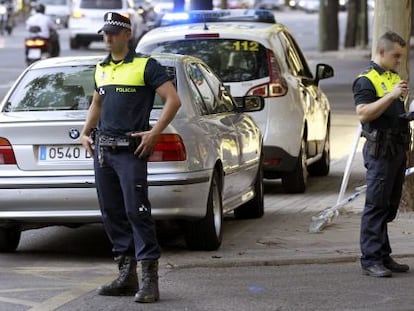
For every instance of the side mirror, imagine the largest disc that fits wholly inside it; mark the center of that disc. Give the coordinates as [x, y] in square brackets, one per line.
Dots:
[323, 71]
[251, 103]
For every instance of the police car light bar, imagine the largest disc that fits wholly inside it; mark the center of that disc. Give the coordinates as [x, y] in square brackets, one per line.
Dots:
[230, 15]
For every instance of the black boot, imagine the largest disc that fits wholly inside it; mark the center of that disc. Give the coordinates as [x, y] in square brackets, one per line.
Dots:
[149, 291]
[127, 282]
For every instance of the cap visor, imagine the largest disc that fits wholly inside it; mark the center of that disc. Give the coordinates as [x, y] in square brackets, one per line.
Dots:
[110, 29]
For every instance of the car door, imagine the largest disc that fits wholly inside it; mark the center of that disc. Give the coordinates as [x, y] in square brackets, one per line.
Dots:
[217, 120]
[315, 108]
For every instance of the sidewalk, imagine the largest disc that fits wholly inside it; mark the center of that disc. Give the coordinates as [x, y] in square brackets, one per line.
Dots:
[281, 237]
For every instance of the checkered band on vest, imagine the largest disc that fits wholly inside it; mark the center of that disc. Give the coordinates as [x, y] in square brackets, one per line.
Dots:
[118, 24]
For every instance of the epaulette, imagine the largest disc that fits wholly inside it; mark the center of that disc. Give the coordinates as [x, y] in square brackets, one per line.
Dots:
[368, 69]
[138, 54]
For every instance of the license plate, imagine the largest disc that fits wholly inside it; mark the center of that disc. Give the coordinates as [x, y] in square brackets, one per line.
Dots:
[34, 53]
[63, 153]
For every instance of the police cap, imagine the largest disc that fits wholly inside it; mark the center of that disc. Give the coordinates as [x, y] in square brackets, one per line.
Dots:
[115, 22]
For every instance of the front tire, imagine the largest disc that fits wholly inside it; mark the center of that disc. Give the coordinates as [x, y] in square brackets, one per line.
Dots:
[255, 207]
[207, 233]
[295, 181]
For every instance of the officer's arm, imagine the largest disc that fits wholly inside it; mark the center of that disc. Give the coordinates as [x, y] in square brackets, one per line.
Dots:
[172, 103]
[371, 111]
[91, 122]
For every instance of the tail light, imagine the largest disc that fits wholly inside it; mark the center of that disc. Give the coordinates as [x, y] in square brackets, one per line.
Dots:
[277, 86]
[6, 152]
[169, 147]
[38, 43]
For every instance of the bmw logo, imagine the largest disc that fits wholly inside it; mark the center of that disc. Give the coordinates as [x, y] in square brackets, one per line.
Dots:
[74, 133]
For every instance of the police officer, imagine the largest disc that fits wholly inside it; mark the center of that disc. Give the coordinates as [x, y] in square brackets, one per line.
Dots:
[126, 84]
[379, 95]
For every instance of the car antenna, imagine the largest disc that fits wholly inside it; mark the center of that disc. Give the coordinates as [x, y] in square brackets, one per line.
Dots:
[205, 23]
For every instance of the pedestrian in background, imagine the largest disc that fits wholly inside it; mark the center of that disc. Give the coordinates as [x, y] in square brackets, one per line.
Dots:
[126, 84]
[379, 95]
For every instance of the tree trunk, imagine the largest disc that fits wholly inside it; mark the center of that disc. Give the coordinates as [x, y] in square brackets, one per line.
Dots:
[351, 23]
[357, 24]
[328, 25]
[396, 16]
[362, 29]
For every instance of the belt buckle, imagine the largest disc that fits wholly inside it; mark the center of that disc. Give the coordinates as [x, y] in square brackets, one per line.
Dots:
[106, 141]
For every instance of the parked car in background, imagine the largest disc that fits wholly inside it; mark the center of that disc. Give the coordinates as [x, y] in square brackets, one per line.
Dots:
[58, 10]
[269, 4]
[313, 6]
[309, 6]
[87, 18]
[234, 4]
[205, 164]
[255, 55]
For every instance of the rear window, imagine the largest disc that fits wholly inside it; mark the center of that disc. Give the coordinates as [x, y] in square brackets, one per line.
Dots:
[101, 4]
[63, 88]
[232, 60]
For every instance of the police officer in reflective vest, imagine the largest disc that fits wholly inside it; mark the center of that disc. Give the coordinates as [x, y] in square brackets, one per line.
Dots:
[125, 87]
[379, 95]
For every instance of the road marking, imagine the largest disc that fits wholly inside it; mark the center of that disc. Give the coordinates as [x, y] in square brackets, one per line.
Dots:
[71, 294]
[19, 302]
[66, 293]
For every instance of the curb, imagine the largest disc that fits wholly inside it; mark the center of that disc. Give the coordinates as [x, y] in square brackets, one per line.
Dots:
[284, 261]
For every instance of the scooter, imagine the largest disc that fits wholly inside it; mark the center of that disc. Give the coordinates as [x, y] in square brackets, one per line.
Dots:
[37, 47]
[4, 20]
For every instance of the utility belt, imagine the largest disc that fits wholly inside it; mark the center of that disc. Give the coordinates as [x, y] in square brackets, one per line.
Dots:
[126, 142]
[385, 143]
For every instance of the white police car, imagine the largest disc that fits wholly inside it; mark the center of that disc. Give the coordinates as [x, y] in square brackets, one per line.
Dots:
[253, 54]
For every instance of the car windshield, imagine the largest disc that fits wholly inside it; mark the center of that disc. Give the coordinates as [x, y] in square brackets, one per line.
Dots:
[101, 4]
[232, 60]
[60, 88]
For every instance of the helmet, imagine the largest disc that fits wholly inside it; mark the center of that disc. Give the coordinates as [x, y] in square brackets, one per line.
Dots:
[40, 8]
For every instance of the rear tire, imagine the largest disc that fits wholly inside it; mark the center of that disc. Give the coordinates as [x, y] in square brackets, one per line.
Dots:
[255, 207]
[207, 233]
[9, 239]
[74, 44]
[295, 181]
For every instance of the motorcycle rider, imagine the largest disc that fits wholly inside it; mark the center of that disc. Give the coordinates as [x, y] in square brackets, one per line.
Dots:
[3, 17]
[47, 28]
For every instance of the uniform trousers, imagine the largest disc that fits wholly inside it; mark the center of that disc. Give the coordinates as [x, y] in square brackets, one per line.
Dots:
[384, 180]
[121, 183]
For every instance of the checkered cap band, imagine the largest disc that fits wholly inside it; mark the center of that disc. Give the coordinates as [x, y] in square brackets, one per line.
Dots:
[118, 24]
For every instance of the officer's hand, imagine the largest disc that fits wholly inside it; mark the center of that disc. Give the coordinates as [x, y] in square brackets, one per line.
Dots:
[400, 90]
[87, 142]
[148, 141]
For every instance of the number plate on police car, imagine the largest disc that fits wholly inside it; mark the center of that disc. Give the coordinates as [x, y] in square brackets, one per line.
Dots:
[63, 153]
